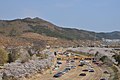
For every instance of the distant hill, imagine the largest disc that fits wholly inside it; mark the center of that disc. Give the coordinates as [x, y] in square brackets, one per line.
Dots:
[110, 35]
[18, 27]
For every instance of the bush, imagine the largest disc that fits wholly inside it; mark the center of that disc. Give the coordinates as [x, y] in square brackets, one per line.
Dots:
[106, 60]
[117, 58]
[103, 58]
[3, 56]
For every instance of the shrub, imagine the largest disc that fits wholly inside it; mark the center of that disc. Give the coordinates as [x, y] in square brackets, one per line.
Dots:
[103, 58]
[117, 58]
[3, 56]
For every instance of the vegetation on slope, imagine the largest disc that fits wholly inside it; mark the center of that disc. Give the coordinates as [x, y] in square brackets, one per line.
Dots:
[37, 25]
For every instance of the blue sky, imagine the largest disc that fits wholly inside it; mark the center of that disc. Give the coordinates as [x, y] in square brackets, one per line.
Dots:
[93, 15]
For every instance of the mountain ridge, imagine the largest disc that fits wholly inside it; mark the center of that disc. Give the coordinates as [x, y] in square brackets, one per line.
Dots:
[17, 27]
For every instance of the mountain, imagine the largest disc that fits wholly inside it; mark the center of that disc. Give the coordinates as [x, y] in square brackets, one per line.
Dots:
[110, 35]
[18, 27]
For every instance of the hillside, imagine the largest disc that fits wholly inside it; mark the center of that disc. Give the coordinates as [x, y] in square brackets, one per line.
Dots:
[110, 35]
[18, 27]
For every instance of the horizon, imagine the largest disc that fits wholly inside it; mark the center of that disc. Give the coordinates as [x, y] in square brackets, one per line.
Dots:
[97, 16]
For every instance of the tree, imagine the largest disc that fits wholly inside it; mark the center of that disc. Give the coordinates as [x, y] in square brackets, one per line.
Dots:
[117, 58]
[13, 55]
[96, 54]
[3, 56]
[106, 60]
[103, 58]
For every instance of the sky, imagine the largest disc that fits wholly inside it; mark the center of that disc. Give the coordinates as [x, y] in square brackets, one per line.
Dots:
[93, 15]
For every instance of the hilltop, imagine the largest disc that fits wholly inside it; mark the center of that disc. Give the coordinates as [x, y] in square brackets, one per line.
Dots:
[36, 25]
